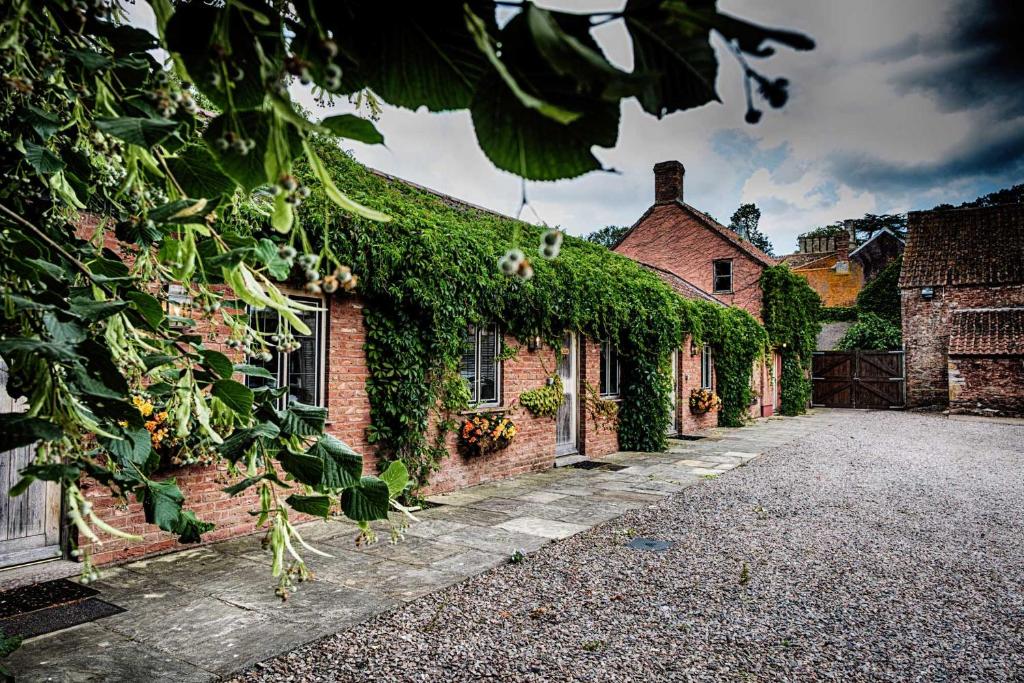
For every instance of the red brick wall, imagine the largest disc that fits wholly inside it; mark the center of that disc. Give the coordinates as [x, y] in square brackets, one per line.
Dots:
[597, 437]
[926, 327]
[671, 239]
[690, 379]
[986, 385]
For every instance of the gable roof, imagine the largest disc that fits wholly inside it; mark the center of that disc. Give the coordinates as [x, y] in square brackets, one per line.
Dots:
[978, 246]
[877, 235]
[683, 287]
[712, 225]
[987, 332]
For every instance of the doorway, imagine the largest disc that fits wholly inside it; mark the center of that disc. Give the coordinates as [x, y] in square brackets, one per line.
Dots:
[566, 439]
[29, 523]
[673, 423]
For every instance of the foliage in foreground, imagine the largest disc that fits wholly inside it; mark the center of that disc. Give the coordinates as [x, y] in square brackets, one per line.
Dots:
[92, 122]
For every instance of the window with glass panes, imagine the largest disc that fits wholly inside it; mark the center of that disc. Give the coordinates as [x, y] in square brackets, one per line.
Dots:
[723, 276]
[611, 370]
[705, 367]
[480, 366]
[302, 370]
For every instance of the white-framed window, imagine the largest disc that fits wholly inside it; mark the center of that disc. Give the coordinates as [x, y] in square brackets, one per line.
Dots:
[302, 370]
[480, 366]
[611, 370]
[706, 368]
[723, 276]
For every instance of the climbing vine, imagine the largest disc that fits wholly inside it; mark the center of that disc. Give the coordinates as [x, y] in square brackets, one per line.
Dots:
[792, 320]
[421, 293]
[546, 400]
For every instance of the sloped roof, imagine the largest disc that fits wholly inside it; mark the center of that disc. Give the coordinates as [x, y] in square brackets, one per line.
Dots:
[713, 225]
[987, 332]
[683, 287]
[799, 259]
[983, 246]
[878, 234]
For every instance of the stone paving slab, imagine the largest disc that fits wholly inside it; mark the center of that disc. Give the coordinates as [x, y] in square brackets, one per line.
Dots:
[208, 611]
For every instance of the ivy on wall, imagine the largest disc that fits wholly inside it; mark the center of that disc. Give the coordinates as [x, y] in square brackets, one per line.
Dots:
[431, 271]
[792, 320]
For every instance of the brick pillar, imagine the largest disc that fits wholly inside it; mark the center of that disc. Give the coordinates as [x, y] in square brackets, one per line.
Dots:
[668, 182]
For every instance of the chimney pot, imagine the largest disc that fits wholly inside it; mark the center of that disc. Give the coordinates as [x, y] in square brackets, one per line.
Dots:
[668, 182]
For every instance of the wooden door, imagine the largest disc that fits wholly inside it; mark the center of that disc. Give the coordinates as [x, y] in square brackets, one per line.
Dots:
[858, 379]
[29, 523]
[565, 421]
[832, 375]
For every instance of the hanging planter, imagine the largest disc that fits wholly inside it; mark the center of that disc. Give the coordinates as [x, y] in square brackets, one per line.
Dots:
[482, 434]
[703, 401]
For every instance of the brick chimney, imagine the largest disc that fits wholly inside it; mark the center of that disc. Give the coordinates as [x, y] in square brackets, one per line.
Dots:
[668, 182]
[843, 247]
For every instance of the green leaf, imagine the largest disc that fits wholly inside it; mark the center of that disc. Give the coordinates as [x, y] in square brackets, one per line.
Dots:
[190, 529]
[366, 502]
[235, 446]
[524, 98]
[254, 371]
[679, 58]
[42, 159]
[161, 502]
[282, 217]
[524, 142]
[306, 469]
[267, 252]
[218, 362]
[318, 506]
[55, 351]
[303, 420]
[135, 448]
[18, 429]
[148, 306]
[43, 122]
[353, 128]
[235, 396]
[182, 211]
[335, 195]
[197, 173]
[93, 310]
[396, 476]
[342, 466]
[136, 130]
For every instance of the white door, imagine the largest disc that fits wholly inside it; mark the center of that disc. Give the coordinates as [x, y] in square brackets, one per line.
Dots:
[673, 424]
[565, 421]
[30, 523]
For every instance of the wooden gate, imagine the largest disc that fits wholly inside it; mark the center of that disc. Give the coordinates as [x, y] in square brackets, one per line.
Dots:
[858, 379]
[30, 523]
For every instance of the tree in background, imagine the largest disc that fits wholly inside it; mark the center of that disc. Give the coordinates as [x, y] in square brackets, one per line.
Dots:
[744, 222]
[608, 236]
[881, 296]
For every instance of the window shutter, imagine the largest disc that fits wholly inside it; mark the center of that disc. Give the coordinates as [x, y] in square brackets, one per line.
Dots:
[489, 346]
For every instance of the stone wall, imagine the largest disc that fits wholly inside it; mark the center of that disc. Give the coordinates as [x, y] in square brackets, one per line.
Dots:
[926, 327]
[986, 385]
[836, 286]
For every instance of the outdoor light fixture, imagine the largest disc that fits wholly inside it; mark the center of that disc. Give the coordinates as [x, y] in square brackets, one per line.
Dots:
[179, 305]
[927, 293]
[533, 343]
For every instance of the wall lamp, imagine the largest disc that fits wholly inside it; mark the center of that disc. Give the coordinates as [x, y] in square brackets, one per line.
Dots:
[534, 342]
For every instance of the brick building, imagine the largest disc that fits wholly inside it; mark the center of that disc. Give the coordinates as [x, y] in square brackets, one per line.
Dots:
[706, 259]
[962, 291]
[836, 270]
[330, 369]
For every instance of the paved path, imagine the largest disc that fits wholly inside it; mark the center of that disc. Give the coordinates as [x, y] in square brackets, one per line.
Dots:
[877, 547]
[202, 613]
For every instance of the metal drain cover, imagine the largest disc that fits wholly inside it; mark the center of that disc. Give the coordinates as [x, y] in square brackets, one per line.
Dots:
[650, 544]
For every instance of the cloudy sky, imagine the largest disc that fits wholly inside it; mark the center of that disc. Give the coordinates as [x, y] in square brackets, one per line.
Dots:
[903, 105]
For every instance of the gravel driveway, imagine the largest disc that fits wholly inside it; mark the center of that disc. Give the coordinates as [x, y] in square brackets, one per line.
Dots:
[885, 548]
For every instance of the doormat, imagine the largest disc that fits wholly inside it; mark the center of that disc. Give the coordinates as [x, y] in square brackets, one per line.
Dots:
[689, 437]
[57, 617]
[598, 465]
[41, 595]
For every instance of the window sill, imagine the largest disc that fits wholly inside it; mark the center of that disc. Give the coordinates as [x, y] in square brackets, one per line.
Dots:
[484, 409]
[615, 398]
[724, 291]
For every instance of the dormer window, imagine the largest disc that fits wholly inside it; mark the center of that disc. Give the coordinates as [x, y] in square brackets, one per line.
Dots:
[723, 276]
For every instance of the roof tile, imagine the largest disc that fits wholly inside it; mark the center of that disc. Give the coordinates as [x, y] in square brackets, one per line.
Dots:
[987, 332]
